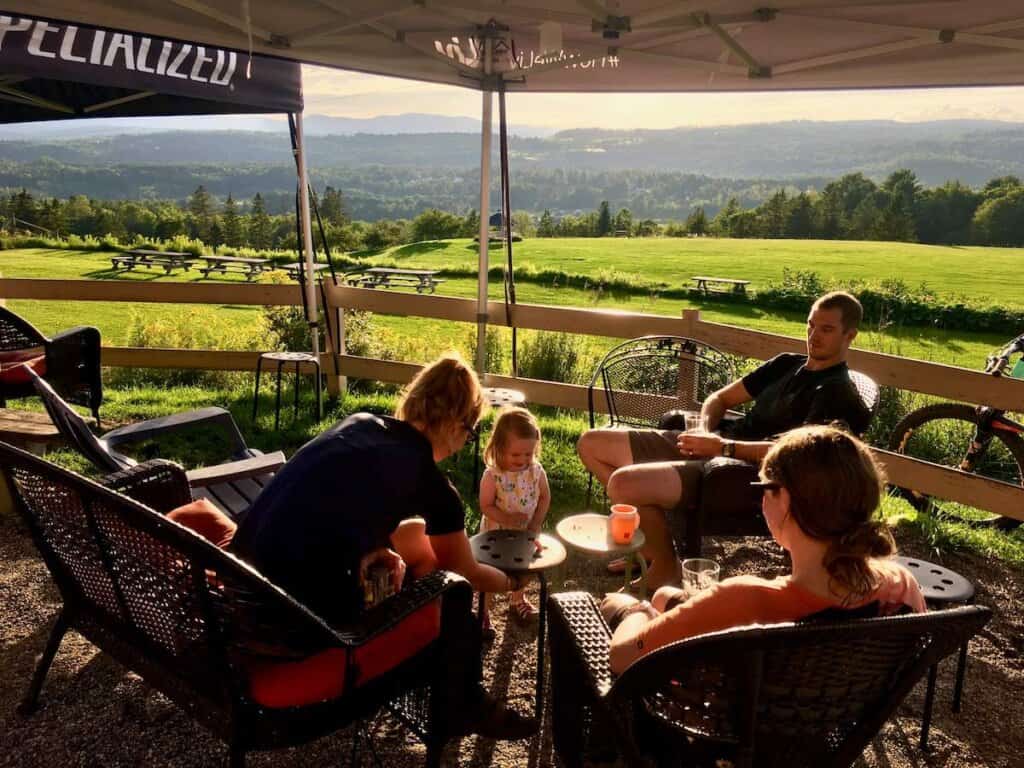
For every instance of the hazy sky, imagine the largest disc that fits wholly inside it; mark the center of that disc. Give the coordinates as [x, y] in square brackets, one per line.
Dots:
[349, 94]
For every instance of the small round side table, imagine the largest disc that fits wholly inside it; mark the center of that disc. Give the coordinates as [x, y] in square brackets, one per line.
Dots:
[517, 553]
[940, 586]
[282, 359]
[588, 532]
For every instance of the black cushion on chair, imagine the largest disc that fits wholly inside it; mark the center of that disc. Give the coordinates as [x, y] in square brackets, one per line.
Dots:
[728, 505]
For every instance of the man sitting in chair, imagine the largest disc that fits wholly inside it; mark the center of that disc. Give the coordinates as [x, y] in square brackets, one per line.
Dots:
[659, 470]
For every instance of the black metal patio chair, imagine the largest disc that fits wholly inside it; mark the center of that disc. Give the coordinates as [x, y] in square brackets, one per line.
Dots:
[232, 486]
[644, 378]
[787, 695]
[70, 361]
[197, 624]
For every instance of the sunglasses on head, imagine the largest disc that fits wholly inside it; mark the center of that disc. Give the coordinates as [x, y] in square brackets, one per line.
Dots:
[767, 485]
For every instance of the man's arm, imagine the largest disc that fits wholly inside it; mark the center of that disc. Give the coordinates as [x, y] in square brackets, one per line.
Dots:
[722, 400]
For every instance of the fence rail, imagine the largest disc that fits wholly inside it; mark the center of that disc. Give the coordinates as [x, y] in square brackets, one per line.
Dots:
[929, 378]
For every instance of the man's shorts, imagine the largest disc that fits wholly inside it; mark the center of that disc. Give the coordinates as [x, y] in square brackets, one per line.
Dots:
[650, 445]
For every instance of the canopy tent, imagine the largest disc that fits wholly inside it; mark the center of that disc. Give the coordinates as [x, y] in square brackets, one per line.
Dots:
[599, 46]
[53, 70]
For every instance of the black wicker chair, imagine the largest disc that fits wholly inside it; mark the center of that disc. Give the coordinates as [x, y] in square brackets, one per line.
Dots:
[232, 486]
[643, 378]
[192, 620]
[786, 695]
[727, 504]
[70, 361]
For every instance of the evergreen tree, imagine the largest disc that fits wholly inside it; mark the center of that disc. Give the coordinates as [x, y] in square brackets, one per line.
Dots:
[332, 207]
[604, 220]
[697, 222]
[260, 227]
[800, 217]
[200, 206]
[471, 224]
[231, 224]
[546, 226]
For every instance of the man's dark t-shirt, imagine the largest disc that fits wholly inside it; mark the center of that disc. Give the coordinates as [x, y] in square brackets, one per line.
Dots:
[338, 498]
[787, 395]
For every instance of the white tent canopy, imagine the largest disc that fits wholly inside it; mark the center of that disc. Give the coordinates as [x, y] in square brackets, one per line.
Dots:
[603, 45]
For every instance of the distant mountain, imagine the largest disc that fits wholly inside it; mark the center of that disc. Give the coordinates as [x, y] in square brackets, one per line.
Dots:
[970, 150]
[314, 125]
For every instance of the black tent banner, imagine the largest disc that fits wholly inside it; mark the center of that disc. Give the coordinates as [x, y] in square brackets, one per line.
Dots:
[51, 70]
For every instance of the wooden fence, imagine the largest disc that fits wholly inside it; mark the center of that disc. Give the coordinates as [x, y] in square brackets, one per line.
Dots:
[945, 381]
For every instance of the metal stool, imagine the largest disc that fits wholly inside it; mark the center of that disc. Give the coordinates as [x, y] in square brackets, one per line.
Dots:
[940, 586]
[282, 359]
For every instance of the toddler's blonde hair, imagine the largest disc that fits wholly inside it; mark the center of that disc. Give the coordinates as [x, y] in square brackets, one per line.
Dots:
[510, 422]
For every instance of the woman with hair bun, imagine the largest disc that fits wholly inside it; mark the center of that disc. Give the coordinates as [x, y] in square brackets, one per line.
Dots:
[822, 489]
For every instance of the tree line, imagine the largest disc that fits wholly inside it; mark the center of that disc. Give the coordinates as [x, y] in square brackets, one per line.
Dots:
[852, 207]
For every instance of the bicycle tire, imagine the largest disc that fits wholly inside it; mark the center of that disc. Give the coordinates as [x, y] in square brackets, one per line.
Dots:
[957, 421]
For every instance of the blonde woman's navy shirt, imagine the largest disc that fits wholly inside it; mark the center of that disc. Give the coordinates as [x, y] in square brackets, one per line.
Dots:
[337, 499]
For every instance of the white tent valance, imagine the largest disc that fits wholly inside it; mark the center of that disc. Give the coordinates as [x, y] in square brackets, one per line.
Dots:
[603, 45]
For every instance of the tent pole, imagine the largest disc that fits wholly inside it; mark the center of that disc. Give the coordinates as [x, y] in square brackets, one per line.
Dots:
[485, 215]
[307, 238]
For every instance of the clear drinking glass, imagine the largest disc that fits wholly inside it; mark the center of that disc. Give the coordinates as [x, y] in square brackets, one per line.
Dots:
[696, 422]
[699, 574]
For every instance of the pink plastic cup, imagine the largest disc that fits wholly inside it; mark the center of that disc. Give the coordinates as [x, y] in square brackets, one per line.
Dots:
[623, 522]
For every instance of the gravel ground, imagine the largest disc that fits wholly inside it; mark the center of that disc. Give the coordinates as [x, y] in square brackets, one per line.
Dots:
[95, 713]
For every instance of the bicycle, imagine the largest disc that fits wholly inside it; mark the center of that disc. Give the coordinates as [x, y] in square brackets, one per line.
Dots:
[981, 440]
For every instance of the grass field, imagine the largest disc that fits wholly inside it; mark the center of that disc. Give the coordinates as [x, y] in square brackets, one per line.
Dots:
[982, 275]
[431, 336]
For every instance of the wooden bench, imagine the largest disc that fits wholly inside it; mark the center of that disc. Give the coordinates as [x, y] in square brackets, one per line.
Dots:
[709, 285]
[251, 268]
[169, 260]
[31, 430]
[422, 280]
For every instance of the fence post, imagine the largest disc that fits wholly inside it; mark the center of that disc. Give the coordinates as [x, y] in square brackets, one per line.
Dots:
[690, 319]
[336, 385]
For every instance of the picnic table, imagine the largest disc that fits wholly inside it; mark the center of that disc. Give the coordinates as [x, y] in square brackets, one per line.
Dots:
[169, 260]
[251, 268]
[294, 268]
[709, 285]
[386, 277]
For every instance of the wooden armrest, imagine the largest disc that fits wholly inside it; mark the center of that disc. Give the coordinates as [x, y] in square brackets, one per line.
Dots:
[236, 470]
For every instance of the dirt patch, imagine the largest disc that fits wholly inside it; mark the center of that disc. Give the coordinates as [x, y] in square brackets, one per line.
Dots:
[95, 713]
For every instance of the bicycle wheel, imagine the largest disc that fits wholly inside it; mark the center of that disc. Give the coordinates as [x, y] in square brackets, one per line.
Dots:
[942, 434]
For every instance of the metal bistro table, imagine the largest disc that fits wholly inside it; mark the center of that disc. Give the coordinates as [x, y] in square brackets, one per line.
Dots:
[588, 532]
[516, 553]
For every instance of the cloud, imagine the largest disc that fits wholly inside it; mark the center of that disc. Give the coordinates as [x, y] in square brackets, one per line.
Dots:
[352, 94]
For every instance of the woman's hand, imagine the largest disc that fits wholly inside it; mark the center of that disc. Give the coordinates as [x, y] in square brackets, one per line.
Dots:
[703, 445]
[386, 557]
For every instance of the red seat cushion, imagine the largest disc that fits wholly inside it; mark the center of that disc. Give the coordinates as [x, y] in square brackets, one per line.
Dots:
[14, 365]
[322, 676]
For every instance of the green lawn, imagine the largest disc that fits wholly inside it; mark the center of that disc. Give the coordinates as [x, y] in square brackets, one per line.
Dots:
[430, 337]
[983, 275]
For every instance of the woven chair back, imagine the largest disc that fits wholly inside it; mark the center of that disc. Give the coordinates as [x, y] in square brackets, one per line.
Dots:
[176, 602]
[17, 333]
[793, 695]
[644, 378]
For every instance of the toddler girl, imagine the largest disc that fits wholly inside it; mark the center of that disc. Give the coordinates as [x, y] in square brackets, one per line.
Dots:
[514, 489]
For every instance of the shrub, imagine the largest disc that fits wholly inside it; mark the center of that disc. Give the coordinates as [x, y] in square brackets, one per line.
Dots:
[198, 329]
[552, 357]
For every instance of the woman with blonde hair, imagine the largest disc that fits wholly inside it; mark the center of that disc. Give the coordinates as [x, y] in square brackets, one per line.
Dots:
[822, 489]
[368, 492]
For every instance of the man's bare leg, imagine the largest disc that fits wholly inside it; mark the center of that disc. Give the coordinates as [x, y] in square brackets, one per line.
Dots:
[652, 488]
[603, 451]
